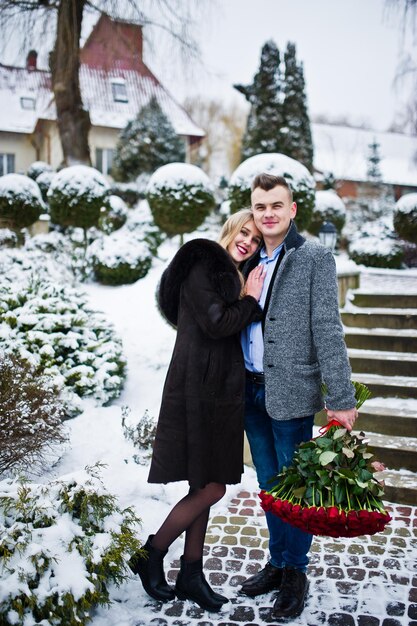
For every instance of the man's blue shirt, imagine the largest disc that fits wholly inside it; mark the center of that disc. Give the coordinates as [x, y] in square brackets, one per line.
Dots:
[252, 339]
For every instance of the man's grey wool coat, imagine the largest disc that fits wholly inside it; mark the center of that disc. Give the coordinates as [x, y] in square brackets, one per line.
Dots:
[303, 335]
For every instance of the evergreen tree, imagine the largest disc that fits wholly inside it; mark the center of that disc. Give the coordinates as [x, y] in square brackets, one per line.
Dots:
[298, 142]
[265, 117]
[148, 142]
[373, 170]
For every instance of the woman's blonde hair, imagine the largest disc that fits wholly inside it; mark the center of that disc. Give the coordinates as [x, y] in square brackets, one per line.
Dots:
[232, 226]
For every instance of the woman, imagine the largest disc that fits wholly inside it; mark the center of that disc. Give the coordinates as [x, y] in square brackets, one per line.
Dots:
[199, 436]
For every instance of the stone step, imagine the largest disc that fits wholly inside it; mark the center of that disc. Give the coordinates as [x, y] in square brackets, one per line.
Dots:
[362, 298]
[389, 386]
[393, 340]
[382, 362]
[387, 419]
[400, 486]
[399, 453]
[373, 317]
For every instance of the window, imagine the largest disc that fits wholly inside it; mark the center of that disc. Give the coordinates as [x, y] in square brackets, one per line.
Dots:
[6, 164]
[104, 160]
[119, 91]
[28, 103]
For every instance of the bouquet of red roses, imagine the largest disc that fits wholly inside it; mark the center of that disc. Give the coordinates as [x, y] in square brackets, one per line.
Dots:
[330, 489]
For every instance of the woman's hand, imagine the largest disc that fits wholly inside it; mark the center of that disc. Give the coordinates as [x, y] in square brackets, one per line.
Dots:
[255, 282]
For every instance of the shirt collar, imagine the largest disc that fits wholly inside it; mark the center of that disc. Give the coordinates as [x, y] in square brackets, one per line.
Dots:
[275, 253]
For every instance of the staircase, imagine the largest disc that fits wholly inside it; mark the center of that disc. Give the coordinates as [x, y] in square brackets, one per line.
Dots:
[381, 336]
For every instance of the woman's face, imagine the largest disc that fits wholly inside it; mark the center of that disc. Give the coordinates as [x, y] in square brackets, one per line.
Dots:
[245, 242]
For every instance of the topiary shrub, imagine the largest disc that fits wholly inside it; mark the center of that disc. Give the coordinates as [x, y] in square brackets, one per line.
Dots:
[8, 238]
[114, 215]
[37, 168]
[31, 417]
[51, 326]
[180, 197]
[301, 182]
[20, 201]
[63, 544]
[329, 207]
[44, 181]
[140, 223]
[119, 259]
[76, 196]
[129, 192]
[375, 245]
[405, 217]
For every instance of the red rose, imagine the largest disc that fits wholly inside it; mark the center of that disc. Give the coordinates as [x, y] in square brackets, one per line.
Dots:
[333, 514]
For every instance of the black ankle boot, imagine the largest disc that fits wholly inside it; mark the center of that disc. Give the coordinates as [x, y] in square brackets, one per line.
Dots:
[151, 572]
[192, 585]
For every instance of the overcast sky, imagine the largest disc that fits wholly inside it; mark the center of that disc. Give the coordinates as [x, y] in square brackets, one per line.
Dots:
[350, 50]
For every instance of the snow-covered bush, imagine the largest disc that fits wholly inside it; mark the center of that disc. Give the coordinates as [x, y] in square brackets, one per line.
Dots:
[114, 215]
[76, 196]
[119, 259]
[375, 245]
[297, 175]
[329, 207]
[142, 435]
[20, 201]
[129, 192]
[31, 417]
[180, 197]
[44, 181]
[8, 238]
[51, 326]
[140, 222]
[62, 545]
[405, 217]
[38, 167]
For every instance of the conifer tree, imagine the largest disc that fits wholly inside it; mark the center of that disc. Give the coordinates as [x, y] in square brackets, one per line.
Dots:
[298, 142]
[265, 117]
[148, 142]
[373, 165]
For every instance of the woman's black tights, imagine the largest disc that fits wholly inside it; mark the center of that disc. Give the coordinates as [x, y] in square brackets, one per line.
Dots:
[191, 515]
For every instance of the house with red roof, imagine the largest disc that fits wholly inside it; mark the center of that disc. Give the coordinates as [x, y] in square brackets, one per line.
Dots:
[115, 85]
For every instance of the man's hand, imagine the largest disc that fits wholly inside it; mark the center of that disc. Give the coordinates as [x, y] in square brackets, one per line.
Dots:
[346, 418]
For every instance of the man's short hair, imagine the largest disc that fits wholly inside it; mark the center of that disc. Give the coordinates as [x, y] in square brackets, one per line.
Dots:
[269, 181]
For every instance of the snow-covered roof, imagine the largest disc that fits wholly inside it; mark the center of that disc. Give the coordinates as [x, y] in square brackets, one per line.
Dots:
[344, 151]
[97, 93]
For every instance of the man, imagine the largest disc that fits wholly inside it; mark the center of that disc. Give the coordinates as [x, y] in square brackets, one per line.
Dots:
[298, 344]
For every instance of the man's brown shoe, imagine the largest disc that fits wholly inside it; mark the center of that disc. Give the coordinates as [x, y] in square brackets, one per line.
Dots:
[292, 594]
[268, 579]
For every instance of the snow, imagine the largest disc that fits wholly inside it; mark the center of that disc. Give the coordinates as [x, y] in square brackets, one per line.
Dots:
[119, 248]
[407, 203]
[79, 180]
[176, 175]
[277, 164]
[329, 200]
[18, 185]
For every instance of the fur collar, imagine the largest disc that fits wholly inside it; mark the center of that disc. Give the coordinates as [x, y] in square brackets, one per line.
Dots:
[217, 263]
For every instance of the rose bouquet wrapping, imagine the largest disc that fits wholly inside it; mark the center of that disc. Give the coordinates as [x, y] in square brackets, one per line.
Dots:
[330, 488]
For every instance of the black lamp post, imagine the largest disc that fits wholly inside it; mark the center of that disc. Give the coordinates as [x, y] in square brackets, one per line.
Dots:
[328, 235]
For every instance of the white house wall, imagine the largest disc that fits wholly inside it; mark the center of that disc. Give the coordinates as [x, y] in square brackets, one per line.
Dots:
[19, 145]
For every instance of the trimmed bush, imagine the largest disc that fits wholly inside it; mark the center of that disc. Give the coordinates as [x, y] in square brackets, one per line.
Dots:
[76, 196]
[51, 327]
[20, 201]
[63, 544]
[31, 417]
[140, 223]
[180, 197]
[405, 217]
[329, 207]
[129, 192]
[44, 181]
[119, 259]
[375, 245]
[37, 168]
[301, 182]
[114, 215]
[8, 238]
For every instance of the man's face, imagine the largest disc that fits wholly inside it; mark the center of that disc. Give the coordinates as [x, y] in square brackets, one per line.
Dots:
[272, 212]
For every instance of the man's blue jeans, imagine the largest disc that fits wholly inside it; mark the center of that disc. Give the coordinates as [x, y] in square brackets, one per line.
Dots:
[272, 444]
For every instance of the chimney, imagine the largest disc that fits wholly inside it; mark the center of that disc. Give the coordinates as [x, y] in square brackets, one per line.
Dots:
[31, 60]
